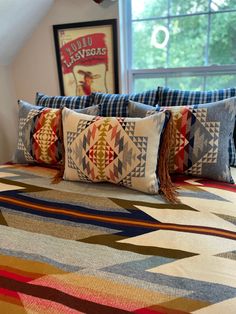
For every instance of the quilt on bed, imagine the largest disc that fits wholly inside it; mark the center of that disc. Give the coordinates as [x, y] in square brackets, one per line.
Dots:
[84, 248]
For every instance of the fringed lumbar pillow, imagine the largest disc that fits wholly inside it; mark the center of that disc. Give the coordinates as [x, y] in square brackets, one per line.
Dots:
[168, 97]
[201, 138]
[123, 151]
[39, 135]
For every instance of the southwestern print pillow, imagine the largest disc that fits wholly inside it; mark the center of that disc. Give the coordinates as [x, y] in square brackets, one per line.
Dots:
[200, 140]
[116, 105]
[40, 138]
[119, 150]
[39, 135]
[173, 97]
[72, 102]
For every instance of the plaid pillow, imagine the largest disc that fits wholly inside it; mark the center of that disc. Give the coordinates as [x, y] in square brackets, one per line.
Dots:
[174, 97]
[116, 105]
[71, 102]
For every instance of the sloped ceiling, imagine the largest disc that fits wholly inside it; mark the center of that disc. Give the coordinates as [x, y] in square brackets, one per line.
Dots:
[18, 19]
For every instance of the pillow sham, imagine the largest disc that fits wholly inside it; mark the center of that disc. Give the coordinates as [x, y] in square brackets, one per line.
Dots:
[116, 105]
[139, 110]
[39, 135]
[200, 140]
[72, 102]
[174, 97]
[92, 110]
[119, 150]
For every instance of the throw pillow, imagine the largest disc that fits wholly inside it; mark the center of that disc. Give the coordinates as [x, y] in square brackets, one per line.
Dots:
[200, 141]
[139, 110]
[119, 150]
[92, 111]
[116, 105]
[72, 102]
[173, 97]
[39, 135]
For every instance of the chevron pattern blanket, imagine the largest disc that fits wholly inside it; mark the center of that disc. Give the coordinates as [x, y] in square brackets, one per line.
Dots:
[100, 248]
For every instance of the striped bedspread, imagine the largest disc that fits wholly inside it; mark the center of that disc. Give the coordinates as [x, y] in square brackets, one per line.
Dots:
[99, 248]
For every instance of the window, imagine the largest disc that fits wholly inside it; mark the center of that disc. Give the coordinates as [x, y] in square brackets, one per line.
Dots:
[181, 44]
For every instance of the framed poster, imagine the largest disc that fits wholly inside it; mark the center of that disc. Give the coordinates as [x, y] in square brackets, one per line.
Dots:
[87, 57]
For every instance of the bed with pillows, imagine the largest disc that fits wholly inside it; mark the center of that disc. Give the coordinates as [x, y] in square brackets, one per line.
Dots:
[121, 203]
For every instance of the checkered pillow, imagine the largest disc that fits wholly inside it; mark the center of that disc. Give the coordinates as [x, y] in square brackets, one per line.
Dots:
[71, 102]
[174, 97]
[116, 105]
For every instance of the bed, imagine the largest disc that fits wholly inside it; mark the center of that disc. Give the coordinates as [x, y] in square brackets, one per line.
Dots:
[100, 248]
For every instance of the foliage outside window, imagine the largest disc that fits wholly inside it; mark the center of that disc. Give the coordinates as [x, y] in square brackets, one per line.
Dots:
[182, 44]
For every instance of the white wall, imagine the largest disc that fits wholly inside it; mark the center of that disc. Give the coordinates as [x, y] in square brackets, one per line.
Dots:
[34, 67]
[8, 114]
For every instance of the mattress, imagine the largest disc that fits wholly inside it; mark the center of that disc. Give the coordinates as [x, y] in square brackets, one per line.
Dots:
[100, 248]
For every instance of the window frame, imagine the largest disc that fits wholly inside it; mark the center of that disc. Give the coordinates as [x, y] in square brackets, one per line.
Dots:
[129, 74]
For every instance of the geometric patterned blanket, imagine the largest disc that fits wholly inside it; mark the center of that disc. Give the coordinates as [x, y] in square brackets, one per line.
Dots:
[100, 248]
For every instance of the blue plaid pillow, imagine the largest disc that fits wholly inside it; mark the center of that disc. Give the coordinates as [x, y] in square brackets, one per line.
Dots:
[116, 105]
[71, 102]
[174, 97]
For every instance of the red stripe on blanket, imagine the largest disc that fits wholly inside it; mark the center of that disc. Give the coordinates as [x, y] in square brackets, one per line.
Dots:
[15, 276]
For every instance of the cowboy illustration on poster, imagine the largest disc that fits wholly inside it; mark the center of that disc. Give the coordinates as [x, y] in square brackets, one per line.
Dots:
[86, 61]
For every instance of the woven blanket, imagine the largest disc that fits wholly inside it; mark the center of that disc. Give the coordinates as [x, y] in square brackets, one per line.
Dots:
[99, 248]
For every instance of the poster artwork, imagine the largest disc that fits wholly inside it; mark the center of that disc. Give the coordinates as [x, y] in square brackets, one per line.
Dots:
[84, 63]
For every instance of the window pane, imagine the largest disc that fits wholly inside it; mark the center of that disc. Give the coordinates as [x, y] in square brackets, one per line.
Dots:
[188, 7]
[186, 45]
[199, 82]
[188, 38]
[142, 84]
[146, 56]
[222, 47]
[217, 5]
[186, 83]
[221, 81]
[148, 8]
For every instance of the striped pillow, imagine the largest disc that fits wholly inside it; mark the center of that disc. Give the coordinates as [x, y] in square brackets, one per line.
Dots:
[174, 97]
[116, 105]
[71, 102]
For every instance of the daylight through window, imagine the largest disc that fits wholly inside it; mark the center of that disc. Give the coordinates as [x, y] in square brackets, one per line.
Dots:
[181, 44]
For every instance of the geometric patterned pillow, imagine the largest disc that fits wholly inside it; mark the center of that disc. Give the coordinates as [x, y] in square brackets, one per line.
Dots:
[200, 140]
[174, 97]
[39, 135]
[72, 102]
[123, 151]
[116, 105]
